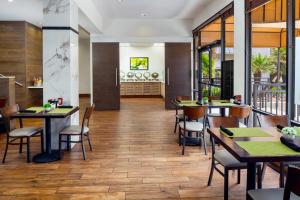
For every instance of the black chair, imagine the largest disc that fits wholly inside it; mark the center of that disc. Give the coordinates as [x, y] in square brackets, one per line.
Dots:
[290, 192]
[82, 131]
[13, 134]
[224, 158]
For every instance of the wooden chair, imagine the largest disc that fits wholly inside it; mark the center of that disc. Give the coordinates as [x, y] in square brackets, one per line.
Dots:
[81, 131]
[179, 116]
[241, 113]
[290, 192]
[267, 121]
[224, 158]
[21, 133]
[191, 124]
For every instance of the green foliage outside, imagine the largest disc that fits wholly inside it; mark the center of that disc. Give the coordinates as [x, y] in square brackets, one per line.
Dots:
[261, 64]
[205, 66]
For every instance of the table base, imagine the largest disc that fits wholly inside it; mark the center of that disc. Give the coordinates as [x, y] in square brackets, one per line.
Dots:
[46, 157]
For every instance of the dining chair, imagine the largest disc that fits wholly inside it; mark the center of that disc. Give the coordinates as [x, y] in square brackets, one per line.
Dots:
[82, 131]
[224, 158]
[268, 121]
[13, 134]
[241, 113]
[179, 116]
[191, 124]
[290, 192]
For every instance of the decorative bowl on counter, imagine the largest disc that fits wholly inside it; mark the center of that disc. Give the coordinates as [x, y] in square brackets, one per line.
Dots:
[155, 75]
[122, 75]
[147, 75]
[138, 75]
[130, 75]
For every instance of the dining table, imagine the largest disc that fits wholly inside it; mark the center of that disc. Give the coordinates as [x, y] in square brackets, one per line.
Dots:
[254, 145]
[49, 155]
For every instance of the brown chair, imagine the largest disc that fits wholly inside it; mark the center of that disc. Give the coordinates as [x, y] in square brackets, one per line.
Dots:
[267, 121]
[224, 158]
[242, 113]
[290, 192]
[21, 133]
[191, 124]
[179, 116]
[81, 131]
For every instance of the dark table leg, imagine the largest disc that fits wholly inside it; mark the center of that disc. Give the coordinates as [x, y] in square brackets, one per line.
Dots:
[251, 177]
[49, 155]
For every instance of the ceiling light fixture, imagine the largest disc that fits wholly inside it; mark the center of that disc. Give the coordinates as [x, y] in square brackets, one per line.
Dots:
[143, 14]
[10, 0]
[120, 1]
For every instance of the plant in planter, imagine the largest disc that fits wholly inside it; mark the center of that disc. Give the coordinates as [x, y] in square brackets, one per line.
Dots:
[47, 106]
[289, 132]
[205, 100]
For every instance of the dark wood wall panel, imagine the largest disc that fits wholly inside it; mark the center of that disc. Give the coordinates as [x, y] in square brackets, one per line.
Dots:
[106, 85]
[21, 56]
[178, 71]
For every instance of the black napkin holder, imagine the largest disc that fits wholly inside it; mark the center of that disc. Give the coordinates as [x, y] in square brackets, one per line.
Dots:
[292, 144]
[226, 131]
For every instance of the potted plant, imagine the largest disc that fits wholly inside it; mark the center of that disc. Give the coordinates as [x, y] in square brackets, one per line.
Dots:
[289, 132]
[47, 107]
[205, 100]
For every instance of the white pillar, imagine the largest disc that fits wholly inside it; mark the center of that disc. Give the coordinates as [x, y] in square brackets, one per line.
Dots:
[60, 58]
[239, 48]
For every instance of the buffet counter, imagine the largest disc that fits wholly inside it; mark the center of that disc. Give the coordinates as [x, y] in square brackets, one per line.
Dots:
[141, 88]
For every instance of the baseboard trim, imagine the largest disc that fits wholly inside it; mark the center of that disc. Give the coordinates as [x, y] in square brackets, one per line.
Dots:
[141, 96]
[84, 95]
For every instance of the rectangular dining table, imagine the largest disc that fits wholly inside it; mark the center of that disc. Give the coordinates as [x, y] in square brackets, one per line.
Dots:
[49, 155]
[254, 145]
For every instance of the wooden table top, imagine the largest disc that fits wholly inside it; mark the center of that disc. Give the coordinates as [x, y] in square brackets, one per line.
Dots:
[44, 114]
[243, 156]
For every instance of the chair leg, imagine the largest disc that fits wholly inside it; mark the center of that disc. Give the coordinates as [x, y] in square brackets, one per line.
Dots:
[5, 152]
[83, 149]
[183, 143]
[21, 145]
[59, 146]
[226, 184]
[42, 141]
[263, 171]
[239, 176]
[259, 177]
[204, 143]
[28, 150]
[212, 168]
[175, 128]
[89, 140]
[179, 136]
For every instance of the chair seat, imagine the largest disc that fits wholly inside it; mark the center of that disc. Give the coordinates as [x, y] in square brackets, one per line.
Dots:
[24, 132]
[74, 130]
[227, 160]
[192, 126]
[270, 194]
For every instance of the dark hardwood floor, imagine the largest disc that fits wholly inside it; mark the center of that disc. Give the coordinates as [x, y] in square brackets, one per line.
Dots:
[135, 156]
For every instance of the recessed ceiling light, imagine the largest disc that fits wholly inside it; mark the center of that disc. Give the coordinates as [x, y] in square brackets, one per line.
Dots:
[143, 14]
[120, 1]
[10, 0]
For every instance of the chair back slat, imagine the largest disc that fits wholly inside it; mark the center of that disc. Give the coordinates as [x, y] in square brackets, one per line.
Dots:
[6, 113]
[87, 115]
[240, 112]
[292, 183]
[194, 112]
[266, 121]
[227, 122]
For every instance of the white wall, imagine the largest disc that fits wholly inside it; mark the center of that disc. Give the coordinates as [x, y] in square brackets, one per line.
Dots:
[84, 66]
[156, 54]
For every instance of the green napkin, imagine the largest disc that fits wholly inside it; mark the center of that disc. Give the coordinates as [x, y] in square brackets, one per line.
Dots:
[36, 109]
[61, 110]
[266, 148]
[247, 132]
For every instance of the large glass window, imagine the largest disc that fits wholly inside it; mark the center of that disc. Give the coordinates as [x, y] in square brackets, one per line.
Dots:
[297, 61]
[268, 62]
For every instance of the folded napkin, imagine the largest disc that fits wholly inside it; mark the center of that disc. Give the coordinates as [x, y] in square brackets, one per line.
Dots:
[65, 106]
[225, 130]
[237, 103]
[279, 127]
[290, 143]
[27, 111]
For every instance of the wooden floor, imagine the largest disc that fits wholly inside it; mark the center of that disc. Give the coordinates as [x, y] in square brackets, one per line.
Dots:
[135, 156]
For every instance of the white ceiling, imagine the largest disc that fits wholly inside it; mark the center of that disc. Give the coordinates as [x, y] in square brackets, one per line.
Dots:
[154, 9]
